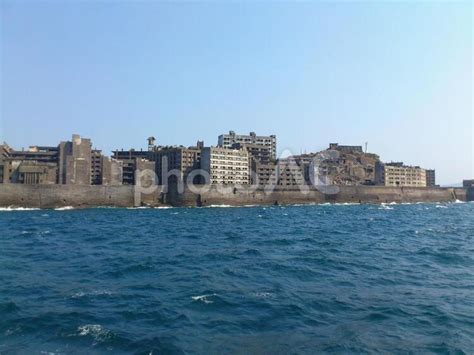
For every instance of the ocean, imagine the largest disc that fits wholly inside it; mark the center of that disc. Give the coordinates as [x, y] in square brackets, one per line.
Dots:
[262, 280]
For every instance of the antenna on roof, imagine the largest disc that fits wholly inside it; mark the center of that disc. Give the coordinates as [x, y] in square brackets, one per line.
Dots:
[366, 143]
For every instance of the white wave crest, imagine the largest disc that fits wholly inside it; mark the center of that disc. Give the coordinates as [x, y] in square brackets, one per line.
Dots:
[11, 208]
[65, 208]
[81, 294]
[204, 298]
[96, 331]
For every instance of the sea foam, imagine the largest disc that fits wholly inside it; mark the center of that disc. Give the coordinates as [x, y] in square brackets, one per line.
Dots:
[10, 208]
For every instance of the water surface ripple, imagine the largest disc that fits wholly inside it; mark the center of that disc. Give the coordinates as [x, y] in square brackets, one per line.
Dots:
[294, 279]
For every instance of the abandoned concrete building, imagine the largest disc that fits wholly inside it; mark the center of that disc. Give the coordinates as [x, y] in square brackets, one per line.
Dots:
[71, 162]
[399, 174]
[226, 166]
[238, 159]
[227, 140]
[176, 163]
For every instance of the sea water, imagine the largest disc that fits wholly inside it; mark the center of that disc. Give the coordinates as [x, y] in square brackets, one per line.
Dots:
[280, 279]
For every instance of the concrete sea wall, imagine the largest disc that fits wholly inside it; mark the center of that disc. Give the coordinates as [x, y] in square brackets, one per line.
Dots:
[53, 196]
[82, 196]
[341, 194]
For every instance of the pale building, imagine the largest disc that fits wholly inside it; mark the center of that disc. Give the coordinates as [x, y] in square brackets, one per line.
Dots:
[227, 140]
[397, 174]
[226, 166]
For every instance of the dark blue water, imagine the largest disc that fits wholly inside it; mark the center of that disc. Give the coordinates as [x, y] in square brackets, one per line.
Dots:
[299, 279]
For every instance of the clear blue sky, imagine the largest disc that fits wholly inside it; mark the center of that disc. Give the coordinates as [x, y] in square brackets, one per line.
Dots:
[395, 74]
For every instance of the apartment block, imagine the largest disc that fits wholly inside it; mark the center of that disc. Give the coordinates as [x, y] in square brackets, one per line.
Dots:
[290, 173]
[227, 140]
[176, 163]
[226, 166]
[133, 160]
[398, 174]
[263, 174]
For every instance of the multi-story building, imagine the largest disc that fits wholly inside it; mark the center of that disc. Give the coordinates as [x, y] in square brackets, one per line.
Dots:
[133, 160]
[36, 153]
[226, 166]
[430, 177]
[96, 167]
[257, 152]
[398, 174]
[176, 163]
[37, 165]
[227, 140]
[75, 161]
[263, 174]
[32, 172]
[290, 173]
[71, 162]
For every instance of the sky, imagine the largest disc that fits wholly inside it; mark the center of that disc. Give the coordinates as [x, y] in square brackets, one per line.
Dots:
[397, 75]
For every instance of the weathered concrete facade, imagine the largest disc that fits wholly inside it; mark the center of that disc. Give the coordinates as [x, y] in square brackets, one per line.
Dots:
[80, 196]
[226, 166]
[112, 171]
[241, 196]
[75, 161]
[227, 140]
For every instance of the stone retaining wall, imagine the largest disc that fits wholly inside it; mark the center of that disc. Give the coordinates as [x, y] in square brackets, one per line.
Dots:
[52, 196]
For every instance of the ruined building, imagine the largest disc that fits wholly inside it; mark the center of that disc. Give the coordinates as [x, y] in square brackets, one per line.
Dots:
[227, 140]
[71, 162]
[399, 174]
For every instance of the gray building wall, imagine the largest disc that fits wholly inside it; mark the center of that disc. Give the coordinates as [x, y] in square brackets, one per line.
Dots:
[52, 196]
[75, 161]
[430, 177]
[112, 171]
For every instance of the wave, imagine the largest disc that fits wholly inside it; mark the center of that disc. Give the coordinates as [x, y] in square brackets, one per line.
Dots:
[65, 208]
[204, 298]
[82, 294]
[11, 208]
[263, 294]
[96, 331]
